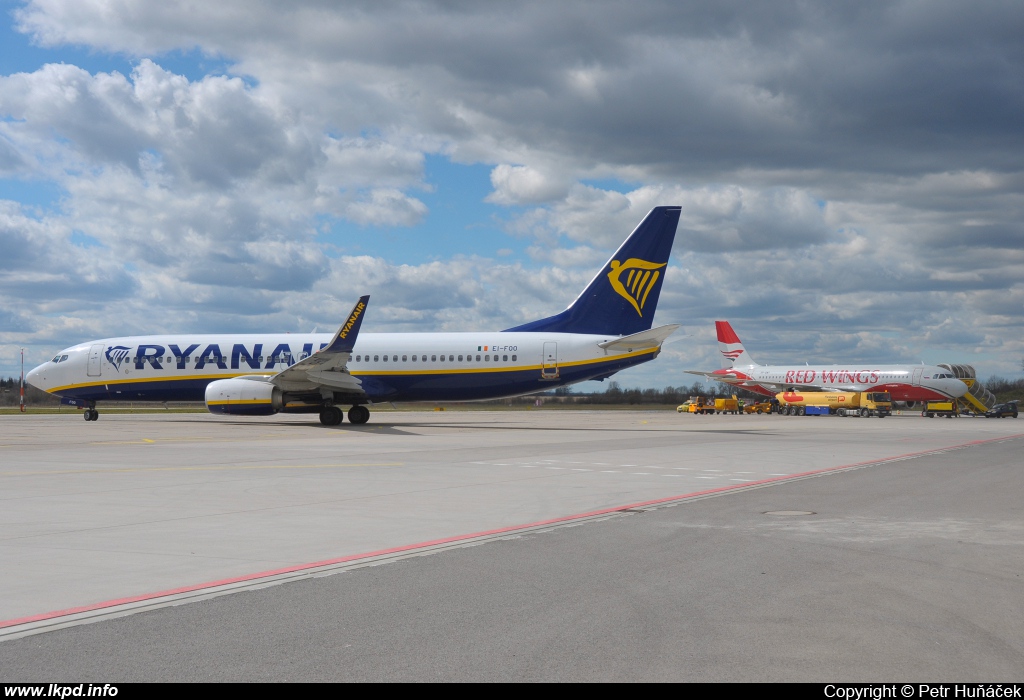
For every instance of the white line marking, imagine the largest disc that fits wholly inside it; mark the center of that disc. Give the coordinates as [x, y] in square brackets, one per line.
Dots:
[577, 469]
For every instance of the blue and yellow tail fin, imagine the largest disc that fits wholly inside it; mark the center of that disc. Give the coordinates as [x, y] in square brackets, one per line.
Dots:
[622, 298]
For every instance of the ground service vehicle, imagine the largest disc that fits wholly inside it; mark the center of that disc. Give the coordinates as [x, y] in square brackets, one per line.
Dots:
[699, 404]
[841, 403]
[1002, 410]
[762, 407]
[949, 409]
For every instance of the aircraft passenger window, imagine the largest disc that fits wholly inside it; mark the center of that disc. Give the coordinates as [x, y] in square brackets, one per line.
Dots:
[442, 358]
[504, 358]
[487, 358]
[413, 358]
[451, 358]
[433, 358]
[460, 358]
[376, 358]
[405, 358]
[385, 358]
[477, 358]
[513, 358]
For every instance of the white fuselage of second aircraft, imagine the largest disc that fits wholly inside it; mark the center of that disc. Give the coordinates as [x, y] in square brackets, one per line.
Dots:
[903, 382]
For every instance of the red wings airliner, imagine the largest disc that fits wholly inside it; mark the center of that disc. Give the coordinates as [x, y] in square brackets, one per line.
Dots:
[907, 383]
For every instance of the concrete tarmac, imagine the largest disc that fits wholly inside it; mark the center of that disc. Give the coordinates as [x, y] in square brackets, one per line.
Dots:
[906, 570]
[131, 506]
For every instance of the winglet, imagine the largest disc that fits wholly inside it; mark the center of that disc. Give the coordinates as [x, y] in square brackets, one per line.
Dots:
[345, 339]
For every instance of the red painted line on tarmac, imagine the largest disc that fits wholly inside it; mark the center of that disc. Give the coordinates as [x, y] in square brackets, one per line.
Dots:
[460, 538]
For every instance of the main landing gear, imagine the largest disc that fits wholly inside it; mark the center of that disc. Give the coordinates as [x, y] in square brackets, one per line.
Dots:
[90, 414]
[332, 415]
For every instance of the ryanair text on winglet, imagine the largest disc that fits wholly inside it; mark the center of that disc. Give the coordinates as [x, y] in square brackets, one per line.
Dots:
[352, 319]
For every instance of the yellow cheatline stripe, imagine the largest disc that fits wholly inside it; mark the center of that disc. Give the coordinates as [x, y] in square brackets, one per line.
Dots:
[233, 402]
[474, 370]
[204, 469]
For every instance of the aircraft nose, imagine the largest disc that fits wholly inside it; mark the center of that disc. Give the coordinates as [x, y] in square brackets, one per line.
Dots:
[957, 387]
[37, 377]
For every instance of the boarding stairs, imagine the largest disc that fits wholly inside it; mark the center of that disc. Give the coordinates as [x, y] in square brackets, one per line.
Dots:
[978, 399]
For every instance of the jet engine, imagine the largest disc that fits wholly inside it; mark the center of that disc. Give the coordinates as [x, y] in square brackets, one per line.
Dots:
[243, 397]
[905, 404]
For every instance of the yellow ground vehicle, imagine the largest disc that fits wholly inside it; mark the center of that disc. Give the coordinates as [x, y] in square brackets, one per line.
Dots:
[761, 407]
[699, 404]
[949, 409]
[841, 403]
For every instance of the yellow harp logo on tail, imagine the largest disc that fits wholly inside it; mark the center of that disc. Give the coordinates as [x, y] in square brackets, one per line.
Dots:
[640, 278]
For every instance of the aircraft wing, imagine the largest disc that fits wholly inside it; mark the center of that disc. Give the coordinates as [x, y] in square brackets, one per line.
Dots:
[328, 366]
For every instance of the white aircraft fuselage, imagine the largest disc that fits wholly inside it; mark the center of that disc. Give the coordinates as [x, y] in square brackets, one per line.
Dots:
[390, 366]
[903, 382]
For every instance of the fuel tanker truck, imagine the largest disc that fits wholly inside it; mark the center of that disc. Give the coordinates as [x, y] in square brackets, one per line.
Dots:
[840, 403]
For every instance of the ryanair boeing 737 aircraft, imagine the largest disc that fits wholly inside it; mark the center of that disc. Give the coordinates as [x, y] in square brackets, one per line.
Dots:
[605, 330]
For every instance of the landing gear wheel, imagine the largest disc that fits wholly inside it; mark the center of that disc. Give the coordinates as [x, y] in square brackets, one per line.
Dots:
[331, 415]
[357, 415]
[90, 414]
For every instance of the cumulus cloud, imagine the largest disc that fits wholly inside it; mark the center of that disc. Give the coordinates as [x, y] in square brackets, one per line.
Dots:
[520, 184]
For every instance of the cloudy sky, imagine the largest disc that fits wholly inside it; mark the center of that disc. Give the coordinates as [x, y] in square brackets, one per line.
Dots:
[851, 174]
